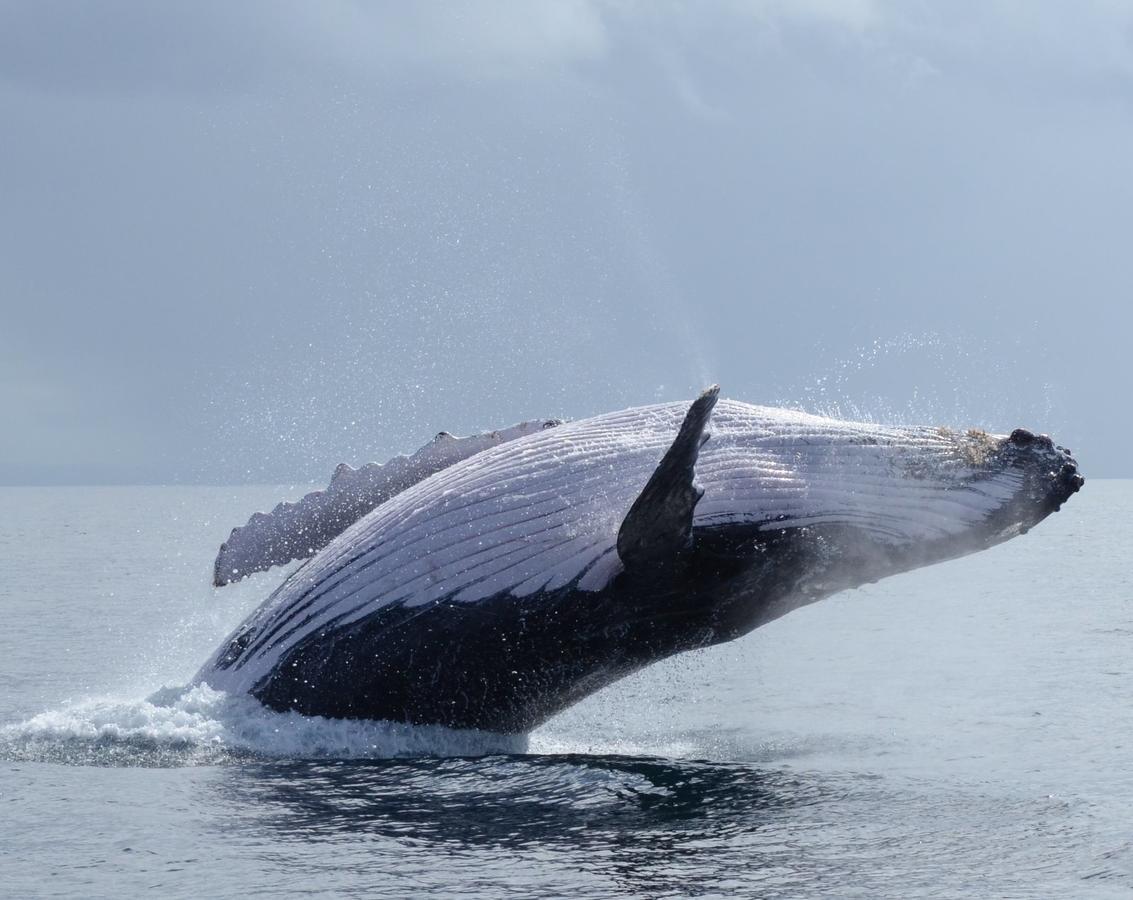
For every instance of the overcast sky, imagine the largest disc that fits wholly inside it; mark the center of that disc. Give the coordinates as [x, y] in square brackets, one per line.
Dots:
[245, 241]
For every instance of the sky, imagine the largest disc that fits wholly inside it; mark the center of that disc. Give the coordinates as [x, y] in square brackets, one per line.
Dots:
[245, 242]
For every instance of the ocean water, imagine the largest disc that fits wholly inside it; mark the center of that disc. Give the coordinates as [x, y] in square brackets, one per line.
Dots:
[960, 731]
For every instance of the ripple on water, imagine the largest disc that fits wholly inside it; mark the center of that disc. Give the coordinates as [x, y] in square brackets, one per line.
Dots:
[775, 817]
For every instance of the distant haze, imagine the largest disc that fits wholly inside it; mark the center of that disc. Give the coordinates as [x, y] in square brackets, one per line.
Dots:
[246, 241]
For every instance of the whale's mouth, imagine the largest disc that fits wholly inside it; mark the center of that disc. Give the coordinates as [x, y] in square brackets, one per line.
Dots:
[967, 492]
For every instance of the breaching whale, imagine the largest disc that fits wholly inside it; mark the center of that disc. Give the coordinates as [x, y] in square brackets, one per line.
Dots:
[492, 584]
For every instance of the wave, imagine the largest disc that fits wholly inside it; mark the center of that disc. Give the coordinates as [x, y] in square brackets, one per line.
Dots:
[198, 725]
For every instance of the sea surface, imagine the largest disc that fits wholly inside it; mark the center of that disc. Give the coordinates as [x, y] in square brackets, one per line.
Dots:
[961, 731]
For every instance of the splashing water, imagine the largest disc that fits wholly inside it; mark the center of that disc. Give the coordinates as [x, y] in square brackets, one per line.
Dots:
[201, 726]
[931, 378]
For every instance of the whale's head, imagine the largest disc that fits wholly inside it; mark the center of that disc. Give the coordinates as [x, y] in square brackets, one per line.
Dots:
[821, 505]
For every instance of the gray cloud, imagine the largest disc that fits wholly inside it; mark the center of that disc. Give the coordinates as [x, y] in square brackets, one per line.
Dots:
[245, 241]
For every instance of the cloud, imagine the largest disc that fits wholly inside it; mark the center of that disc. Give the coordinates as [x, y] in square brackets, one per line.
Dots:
[857, 15]
[503, 37]
[120, 46]
[352, 216]
[214, 46]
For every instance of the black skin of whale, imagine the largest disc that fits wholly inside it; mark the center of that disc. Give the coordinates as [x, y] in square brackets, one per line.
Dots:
[506, 664]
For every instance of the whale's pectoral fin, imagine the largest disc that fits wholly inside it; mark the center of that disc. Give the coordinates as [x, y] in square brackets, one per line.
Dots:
[659, 524]
[298, 530]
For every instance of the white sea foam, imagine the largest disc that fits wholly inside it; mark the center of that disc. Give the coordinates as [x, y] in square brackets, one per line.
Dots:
[199, 725]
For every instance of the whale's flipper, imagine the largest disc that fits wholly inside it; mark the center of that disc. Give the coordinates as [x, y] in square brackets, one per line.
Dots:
[298, 530]
[659, 524]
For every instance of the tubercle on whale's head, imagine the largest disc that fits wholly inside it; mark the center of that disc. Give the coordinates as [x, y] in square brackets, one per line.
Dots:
[846, 503]
[981, 488]
[782, 469]
[824, 506]
[1050, 477]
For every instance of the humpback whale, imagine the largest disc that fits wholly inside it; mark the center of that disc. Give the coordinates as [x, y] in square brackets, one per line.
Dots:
[490, 582]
